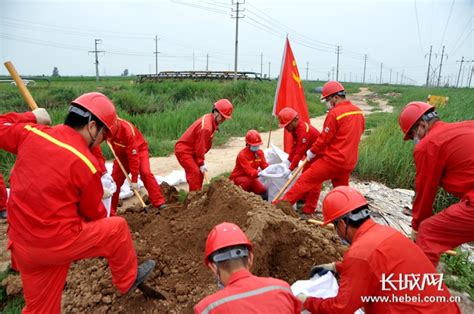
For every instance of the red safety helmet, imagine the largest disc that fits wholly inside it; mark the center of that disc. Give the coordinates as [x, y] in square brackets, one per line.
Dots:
[224, 107]
[224, 235]
[331, 88]
[100, 106]
[253, 138]
[410, 115]
[340, 201]
[286, 115]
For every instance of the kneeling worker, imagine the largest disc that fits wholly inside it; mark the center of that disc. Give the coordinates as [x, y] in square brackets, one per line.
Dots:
[382, 271]
[248, 163]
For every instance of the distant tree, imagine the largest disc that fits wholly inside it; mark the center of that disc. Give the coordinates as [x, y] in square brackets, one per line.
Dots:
[125, 72]
[55, 72]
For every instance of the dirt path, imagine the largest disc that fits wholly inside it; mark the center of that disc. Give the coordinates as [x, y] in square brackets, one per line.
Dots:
[222, 158]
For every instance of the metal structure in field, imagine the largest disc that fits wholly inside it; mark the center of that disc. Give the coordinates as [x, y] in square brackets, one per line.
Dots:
[198, 75]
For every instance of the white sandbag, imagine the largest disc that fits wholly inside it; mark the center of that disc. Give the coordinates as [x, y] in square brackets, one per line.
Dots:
[320, 287]
[125, 190]
[274, 155]
[274, 178]
[108, 183]
[175, 178]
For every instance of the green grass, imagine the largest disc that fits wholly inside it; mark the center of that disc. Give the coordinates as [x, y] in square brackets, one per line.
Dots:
[460, 272]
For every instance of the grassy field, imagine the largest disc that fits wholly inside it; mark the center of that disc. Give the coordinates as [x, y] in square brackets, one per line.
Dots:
[163, 111]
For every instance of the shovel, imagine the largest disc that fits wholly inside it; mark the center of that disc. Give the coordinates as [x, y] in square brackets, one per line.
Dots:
[150, 292]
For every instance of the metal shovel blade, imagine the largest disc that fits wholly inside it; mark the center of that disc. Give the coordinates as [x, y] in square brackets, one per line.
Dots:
[150, 292]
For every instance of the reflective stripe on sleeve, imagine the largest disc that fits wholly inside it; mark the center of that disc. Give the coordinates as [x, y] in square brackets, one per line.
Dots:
[348, 114]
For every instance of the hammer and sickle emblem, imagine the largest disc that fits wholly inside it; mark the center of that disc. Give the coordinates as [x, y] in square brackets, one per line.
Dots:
[295, 76]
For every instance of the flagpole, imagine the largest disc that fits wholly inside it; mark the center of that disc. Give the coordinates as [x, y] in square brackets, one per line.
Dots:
[270, 133]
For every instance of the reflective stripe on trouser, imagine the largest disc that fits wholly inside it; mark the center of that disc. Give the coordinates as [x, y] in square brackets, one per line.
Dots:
[243, 295]
[250, 184]
[312, 180]
[446, 230]
[194, 176]
[44, 270]
[152, 187]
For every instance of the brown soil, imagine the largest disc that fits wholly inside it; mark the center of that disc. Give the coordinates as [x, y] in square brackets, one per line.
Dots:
[284, 247]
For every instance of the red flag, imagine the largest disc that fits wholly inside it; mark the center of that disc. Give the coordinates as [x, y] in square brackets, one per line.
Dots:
[289, 92]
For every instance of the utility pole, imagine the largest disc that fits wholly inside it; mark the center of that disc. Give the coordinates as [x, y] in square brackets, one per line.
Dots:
[470, 76]
[261, 64]
[307, 66]
[345, 77]
[329, 75]
[156, 54]
[441, 66]
[365, 66]
[333, 73]
[390, 80]
[429, 65]
[97, 41]
[194, 62]
[460, 68]
[381, 67]
[237, 16]
[337, 70]
[396, 81]
[350, 76]
[269, 64]
[401, 78]
[207, 62]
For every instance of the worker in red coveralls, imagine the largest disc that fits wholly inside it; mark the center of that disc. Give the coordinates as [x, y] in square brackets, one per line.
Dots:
[3, 199]
[381, 264]
[444, 156]
[131, 149]
[335, 150]
[55, 210]
[197, 141]
[247, 165]
[304, 136]
[229, 256]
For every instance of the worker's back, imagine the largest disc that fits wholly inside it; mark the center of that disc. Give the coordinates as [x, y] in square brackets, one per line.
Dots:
[383, 268]
[246, 293]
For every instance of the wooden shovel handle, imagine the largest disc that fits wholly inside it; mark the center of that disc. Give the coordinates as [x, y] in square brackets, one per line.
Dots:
[293, 177]
[21, 86]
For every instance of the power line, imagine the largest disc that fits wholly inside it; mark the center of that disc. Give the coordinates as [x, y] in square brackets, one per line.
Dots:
[418, 27]
[447, 22]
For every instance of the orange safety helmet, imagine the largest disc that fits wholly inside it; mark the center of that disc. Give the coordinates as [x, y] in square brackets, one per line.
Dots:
[224, 235]
[253, 138]
[331, 88]
[412, 112]
[286, 115]
[341, 201]
[100, 106]
[224, 107]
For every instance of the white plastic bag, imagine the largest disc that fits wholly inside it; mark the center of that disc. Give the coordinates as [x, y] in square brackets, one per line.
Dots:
[108, 183]
[274, 178]
[274, 155]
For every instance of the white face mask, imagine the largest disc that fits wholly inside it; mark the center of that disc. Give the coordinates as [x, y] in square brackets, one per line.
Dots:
[416, 140]
[254, 148]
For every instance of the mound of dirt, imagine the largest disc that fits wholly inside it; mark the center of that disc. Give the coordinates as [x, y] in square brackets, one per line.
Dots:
[284, 247]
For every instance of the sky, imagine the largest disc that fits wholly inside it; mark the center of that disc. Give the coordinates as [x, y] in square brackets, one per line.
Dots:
[396, 36]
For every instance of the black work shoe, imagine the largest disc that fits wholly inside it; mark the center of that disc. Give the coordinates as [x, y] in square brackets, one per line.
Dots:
[144, 271]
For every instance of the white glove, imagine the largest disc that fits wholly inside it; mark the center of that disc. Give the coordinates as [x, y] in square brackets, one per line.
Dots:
[310, 155]
[302, 297]
[134, 186]
[203, 168]
[323, 268]
[107, 193]
[42, 116]
[287, 163]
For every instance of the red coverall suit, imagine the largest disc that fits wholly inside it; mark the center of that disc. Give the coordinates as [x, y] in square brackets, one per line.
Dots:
[132, 149]
[336, 152]
[245, 173]
[192, 146]
[246, 293]
[55, 211]
[3, 194]
[373, 266]
[444, 157]
[304, 137]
